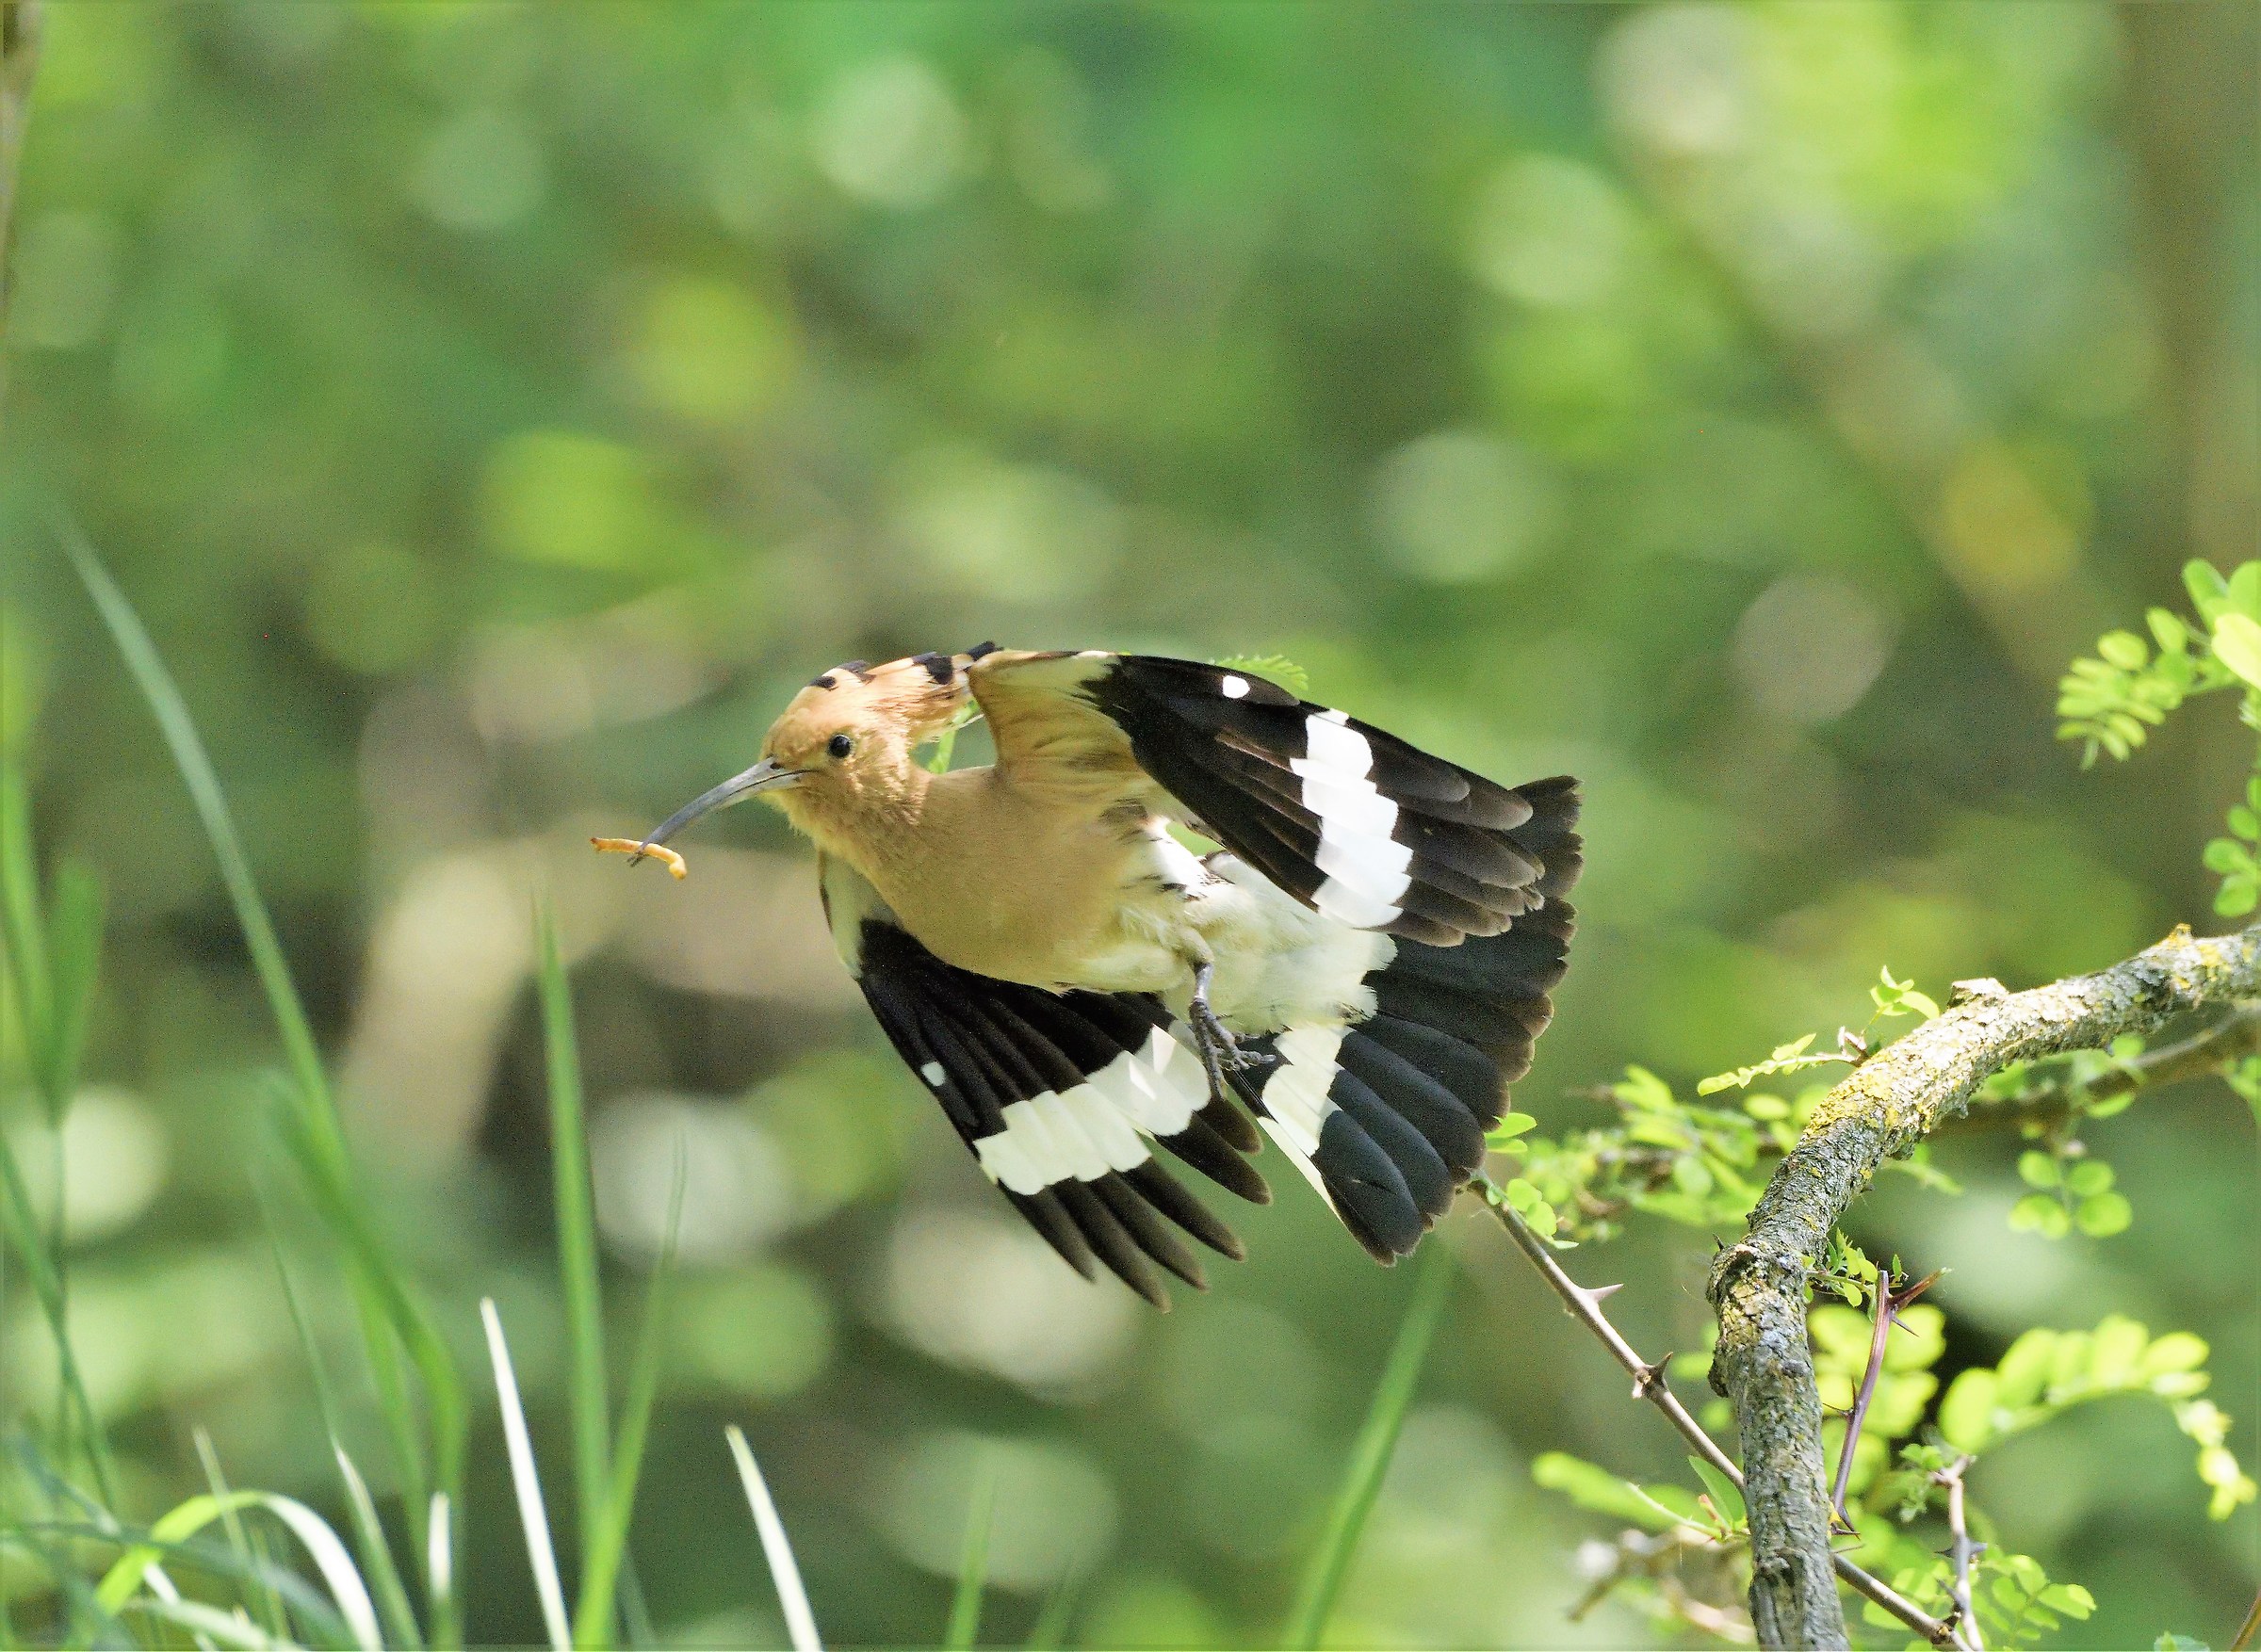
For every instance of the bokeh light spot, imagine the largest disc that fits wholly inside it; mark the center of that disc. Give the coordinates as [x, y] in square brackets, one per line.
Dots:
[482, 170]
[891, 133]
[1460, 504]
[1809, 648]
[561, 497]
[1054, 1513]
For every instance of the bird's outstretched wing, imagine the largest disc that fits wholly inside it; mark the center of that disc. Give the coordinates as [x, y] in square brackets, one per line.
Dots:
[1350, 821]
[1059, 1096]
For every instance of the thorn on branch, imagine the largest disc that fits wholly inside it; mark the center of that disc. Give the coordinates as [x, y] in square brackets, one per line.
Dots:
[1649, 1378]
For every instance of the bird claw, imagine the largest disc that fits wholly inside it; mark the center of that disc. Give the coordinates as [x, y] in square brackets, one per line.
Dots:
[1216, 1041]
[1220, 1052]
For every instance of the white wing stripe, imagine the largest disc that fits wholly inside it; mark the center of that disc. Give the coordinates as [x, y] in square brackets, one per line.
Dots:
[1296, 1096]
[1083, 1133]
[1365, 867]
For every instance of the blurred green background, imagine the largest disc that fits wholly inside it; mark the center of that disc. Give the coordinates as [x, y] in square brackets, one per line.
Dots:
[497, 410]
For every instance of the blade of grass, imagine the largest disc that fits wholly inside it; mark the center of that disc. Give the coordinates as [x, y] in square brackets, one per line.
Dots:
[74, 959]
[1049, 1633]
[376, 1553]
[179, 729]
[377, 1558]
[20, 924]
[592, 1609]
[439, 1558]
[315, 1109]
[388, 1318]
[1370, 1457]
[24, 1238]
[246, 1545]
[590, 1404]
[973, 1564]
[799, 1622]
[635, 1617]
[322, 1545]
[52, 1031]
[540, 1554]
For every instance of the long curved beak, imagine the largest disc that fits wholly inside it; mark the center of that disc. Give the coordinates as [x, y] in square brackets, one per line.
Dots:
[765, 776]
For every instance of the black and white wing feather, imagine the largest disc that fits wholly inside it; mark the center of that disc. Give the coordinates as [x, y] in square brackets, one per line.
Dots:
[1059, 1096]
[1348, 819]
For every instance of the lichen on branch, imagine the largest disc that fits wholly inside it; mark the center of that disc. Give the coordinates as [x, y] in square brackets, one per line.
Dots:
[1764, 1364]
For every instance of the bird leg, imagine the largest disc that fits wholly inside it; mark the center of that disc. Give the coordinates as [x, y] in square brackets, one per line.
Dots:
[1220, 1054]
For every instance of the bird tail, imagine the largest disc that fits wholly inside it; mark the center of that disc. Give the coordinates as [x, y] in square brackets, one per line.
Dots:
[1387, 1116]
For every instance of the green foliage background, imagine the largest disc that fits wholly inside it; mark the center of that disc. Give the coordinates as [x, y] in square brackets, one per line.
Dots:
[496, 411]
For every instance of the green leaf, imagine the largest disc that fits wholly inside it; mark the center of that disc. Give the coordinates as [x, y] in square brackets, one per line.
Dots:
[2037, 1169]
[2245, 590]
[2024, 1369]
[2124, 649]
[1593, 1487]
[2068, 1599]
[1508, 1128]
[1643, 1090]
[2103, 1215]
[2091, 1175]
[2239, 895]
[2209, 592]
[1966, 1416]
[2167, 630]
[2175, 1353]
[1277, 667]
[2224, 855]
[1726, 1495]
[2236, 644]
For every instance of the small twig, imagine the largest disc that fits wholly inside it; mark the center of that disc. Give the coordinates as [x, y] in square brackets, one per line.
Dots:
[1889, 1301]
[1648, 1384]
[2246, 1629]
[1962, 1551]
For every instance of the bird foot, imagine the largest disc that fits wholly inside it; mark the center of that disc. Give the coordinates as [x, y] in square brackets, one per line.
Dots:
[1220, 1052]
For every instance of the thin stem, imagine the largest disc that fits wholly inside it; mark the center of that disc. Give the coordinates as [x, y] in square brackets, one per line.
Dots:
[1889, 1301]
[2246, 1629]
[1963, 1553]
[1648, 1384]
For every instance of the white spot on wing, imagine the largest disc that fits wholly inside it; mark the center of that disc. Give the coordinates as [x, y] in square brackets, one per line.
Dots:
[1236, 688]
[931, 1071]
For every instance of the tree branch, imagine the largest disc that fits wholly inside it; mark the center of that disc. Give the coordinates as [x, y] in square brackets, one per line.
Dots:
[1759, 1286]
[2224, 1044]
[1585, 1306]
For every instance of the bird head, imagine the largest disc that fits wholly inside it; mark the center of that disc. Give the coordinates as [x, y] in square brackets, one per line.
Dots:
[842, 747]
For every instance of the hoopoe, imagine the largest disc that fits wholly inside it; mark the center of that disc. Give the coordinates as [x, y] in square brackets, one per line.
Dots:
[1365, 964]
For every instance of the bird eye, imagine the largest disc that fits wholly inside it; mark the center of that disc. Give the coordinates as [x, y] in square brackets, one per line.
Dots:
[839, 745]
